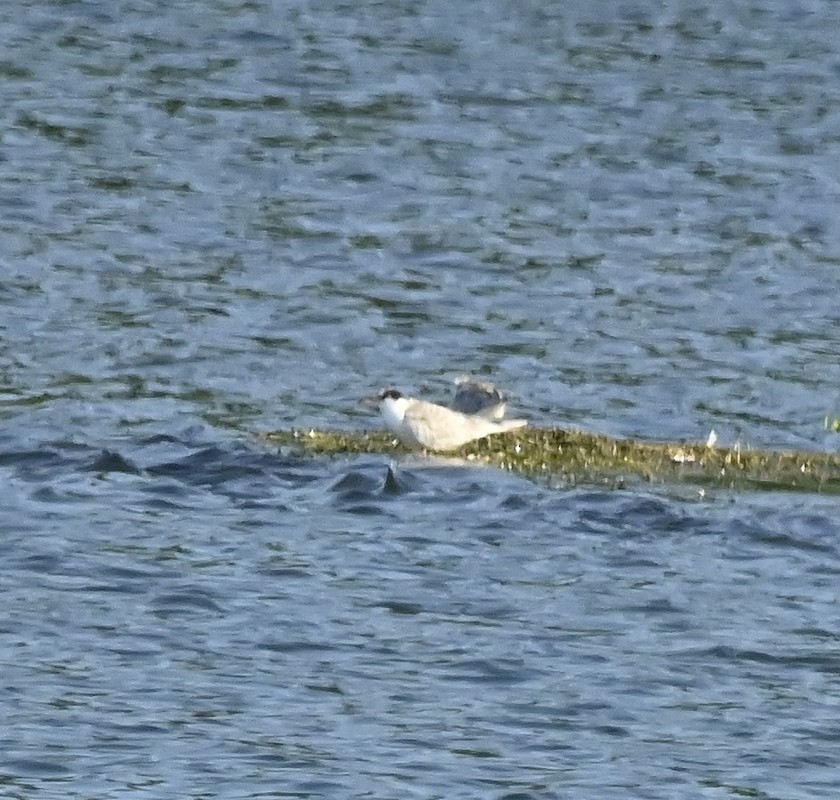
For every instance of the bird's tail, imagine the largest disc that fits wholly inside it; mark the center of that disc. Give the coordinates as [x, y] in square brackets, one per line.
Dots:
[511, 424]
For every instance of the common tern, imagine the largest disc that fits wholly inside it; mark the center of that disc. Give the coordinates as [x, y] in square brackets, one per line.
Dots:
[418, 423]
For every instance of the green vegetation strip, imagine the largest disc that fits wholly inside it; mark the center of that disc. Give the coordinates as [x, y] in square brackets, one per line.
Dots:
[574, 457]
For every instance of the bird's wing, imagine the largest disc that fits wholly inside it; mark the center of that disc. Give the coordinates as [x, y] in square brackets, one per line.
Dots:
[439, 428]
[478, 397]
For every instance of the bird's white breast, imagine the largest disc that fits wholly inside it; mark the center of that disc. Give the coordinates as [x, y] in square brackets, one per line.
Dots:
[393, 412]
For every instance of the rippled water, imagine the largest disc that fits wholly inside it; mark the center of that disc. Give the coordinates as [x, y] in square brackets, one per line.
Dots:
[218, 218]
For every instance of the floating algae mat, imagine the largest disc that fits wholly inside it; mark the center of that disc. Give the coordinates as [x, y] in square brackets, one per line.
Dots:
[573, 457]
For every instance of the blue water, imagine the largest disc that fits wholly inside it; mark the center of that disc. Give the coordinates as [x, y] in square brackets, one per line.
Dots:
[221, 218]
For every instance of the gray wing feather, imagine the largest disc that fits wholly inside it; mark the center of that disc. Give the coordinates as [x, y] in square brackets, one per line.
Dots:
[478, 397]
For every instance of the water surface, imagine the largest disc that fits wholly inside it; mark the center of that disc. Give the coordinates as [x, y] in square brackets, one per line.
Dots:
[219, 218]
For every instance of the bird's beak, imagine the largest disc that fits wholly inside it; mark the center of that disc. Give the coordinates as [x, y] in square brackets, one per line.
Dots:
[372, 401]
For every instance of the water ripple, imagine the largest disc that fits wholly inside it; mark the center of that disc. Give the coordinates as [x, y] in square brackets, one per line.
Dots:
[227, 218]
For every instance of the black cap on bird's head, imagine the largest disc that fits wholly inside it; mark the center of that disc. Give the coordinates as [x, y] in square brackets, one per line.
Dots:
[385, 394]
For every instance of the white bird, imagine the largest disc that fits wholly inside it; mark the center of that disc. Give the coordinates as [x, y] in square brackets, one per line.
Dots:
[418, 423]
